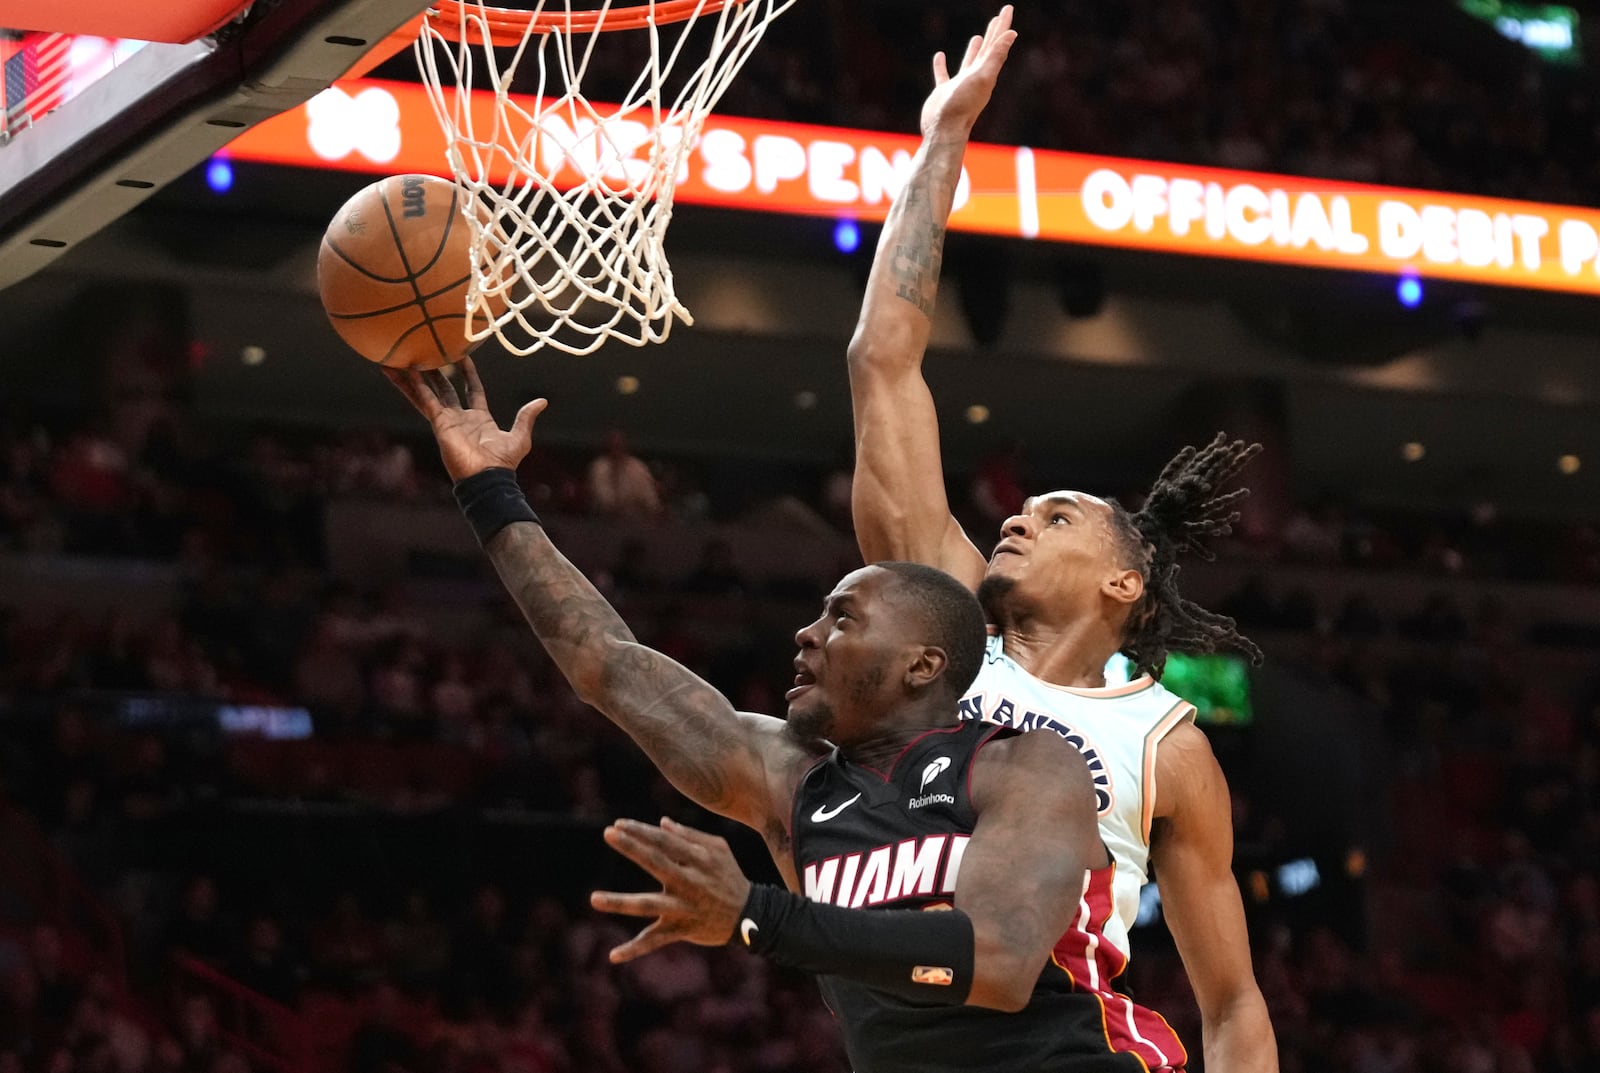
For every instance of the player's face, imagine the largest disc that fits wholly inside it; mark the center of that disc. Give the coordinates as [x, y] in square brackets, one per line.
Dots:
[852, 660]
[1056, 554]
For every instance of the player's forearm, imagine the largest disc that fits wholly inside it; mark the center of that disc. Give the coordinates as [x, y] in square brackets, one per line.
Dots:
[904, 282]
[685, 727]
[1240, 1037]
[925, 957]
[580, 630]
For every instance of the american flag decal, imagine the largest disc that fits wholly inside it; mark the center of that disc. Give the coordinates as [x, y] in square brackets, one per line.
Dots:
[36, 70]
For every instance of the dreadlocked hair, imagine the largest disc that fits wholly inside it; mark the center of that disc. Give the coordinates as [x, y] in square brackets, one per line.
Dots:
[1180, 513]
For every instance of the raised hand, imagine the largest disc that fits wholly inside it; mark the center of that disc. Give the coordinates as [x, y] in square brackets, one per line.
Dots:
[702, 889]
[469, 439]
[958, 99]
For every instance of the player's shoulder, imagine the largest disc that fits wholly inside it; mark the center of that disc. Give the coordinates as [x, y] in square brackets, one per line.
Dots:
[785, 753]
[1030, 774]
[1007, 755]
[1191, 780]
[1186, 745]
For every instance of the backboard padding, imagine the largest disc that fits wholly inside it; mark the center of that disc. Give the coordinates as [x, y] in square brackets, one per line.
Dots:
[166, 110]
[172, 21]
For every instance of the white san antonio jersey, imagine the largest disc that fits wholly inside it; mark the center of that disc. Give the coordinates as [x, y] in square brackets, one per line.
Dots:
[1118, 730]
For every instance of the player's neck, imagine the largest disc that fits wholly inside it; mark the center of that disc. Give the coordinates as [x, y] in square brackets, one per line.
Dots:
[880, 750]
[1073, 655]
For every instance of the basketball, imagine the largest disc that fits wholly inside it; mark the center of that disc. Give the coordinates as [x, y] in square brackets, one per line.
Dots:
[393, 272]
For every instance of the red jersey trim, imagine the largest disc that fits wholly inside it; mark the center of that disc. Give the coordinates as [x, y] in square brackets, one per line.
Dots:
[1092, 964]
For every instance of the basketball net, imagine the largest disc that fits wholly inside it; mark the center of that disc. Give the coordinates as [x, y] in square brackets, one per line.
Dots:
[571, 268]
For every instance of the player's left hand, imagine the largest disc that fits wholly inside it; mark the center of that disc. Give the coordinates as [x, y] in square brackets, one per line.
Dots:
[702, 889]
[958, 99]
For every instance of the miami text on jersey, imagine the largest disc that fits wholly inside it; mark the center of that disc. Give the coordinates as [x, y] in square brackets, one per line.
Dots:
[916, 867]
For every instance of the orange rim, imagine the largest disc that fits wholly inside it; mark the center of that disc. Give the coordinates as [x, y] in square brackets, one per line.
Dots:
[508, 26]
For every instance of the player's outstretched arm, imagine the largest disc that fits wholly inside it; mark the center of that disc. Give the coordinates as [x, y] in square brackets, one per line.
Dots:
[1191, 849]
[1021, 877]
[713, 754]
[899, 502]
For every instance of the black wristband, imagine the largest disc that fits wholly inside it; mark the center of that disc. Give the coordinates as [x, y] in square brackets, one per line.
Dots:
[919, 955]
[492, 500]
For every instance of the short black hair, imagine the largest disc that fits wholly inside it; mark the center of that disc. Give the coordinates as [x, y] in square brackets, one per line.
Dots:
[952, 616]
[1183, 509]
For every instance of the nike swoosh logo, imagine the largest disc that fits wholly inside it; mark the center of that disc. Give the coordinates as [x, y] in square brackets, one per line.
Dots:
[823, 815]
[747, 928]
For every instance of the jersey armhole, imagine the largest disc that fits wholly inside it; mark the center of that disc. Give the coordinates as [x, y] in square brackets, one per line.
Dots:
[972, 761]
[794, 810]
[1180, 712]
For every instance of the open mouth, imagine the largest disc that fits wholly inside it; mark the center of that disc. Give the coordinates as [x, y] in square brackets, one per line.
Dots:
[803, 680]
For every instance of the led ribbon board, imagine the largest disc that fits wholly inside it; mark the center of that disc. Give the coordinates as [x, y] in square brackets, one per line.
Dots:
[760, 166]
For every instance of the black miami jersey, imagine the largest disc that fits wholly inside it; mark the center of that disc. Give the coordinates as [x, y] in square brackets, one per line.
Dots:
[866, 839]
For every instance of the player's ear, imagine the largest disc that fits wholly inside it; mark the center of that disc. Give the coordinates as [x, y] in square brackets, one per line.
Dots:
[927, 665]
[1124, 586]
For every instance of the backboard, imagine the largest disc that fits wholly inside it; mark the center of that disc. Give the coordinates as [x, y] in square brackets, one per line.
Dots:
[106, 102]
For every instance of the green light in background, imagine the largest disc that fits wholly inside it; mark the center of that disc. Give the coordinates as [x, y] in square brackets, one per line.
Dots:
[1548, 29]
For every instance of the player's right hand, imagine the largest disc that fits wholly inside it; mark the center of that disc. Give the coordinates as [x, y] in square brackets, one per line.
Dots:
[469, 439]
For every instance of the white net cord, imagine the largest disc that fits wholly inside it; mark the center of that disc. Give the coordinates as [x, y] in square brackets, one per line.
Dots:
[572, 268]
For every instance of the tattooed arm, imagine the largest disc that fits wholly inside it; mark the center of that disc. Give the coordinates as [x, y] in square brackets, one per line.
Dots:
[709, 751]
[1023, 871]
[898, 499]
[741, 766]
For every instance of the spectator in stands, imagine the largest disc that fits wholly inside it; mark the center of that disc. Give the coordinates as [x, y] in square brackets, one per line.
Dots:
[199, 1035]
[632, 574]
[369, 462]
[265, 964]
[416, 944]
[174, 661]
[620, 484]
[997, 489]
[55, 990]
[87, 836]
[29, 519]
[346, 945]
[23, 1029]
[381, 1044]
[531, 1046]
[103, 1037]
[395, 687]
[147, 788]
[91, 482]
[329, 679]
[838, 485]
[70, 755]
[1315, 535]
[200, 929]
[480, 970]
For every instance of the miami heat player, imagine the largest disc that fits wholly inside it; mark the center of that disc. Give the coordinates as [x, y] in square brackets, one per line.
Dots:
[1005, 837]
[891, 840]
